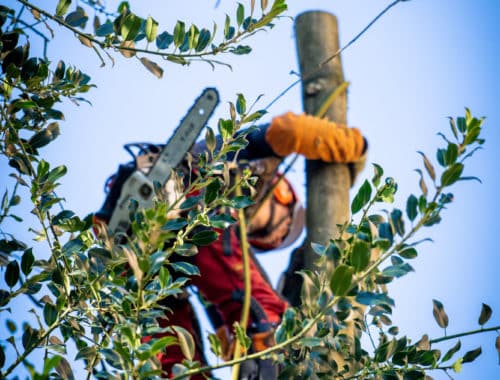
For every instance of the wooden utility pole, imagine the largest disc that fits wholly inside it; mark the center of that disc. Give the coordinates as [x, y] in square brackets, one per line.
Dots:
[327, 184]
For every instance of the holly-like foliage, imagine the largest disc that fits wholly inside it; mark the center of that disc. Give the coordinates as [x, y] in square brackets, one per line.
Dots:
[103, 297]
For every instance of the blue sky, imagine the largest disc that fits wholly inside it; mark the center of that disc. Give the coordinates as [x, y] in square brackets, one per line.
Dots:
[423, 61]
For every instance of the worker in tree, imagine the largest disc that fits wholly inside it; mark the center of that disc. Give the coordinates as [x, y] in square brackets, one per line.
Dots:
[274, 222]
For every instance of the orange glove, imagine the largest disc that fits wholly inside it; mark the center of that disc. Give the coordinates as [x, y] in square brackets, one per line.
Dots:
[314, 138]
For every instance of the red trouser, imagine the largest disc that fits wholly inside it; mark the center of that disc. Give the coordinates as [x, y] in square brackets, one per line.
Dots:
[221, 274]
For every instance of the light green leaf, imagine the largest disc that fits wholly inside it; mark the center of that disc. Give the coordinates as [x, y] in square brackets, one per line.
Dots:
[151, 29]
[341, 280]
[362, 197]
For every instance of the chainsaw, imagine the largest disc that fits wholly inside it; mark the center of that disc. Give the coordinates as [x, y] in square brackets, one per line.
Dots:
[135, 184]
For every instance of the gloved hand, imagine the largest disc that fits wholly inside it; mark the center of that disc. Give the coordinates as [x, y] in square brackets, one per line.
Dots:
[314, 138]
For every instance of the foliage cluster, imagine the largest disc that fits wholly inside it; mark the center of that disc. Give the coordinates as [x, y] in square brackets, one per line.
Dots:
[104, 297]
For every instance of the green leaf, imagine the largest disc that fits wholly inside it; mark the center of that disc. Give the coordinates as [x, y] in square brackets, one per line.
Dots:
[439, 314]
[27, 261]
[241, 50]
[360, 256]
[452, 174]
[362, 197]
[379, 172]
[408, 253]
[12, 273]
[4, 297]
[451, 154]
[240, 14]
[222, 221]
[397, 270]
[241, 201]
[203, 40]
[77, 18]
[49, 314]
[452, 351]
[186, 342]
[159, 344]
[2, 357]
[45, 136]
[151, 29]
[470, 356]
[131, 27]
[164, 40]
[179, 33]
[212, 191]
[215, 345]
[241, 335]
[204, 237]
[411, 207]
[226, 128]
[104, 29]
[398, 222]
[485, 315]
[241, 104]
[56, 173]
[462, 127]
[175, 224]
[186, 268]
[341, 280]
[370, 299]
[62, 7]
[210, 140]
[63, 368]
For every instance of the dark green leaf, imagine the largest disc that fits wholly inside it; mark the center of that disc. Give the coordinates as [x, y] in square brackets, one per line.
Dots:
[190, 202]
[385, 232]
[397, 270]
[104, 29]
[461, 124]
[451, 154]
[398, 222]
[470, 356]
[360, 256]
[222, 221]
[164, 40]
[203, 40]
[12, 273]
[411, 207]
[204, 237]
[2, 357]
[451, 352]
[212, 191]
[408, 253]
[186, 268]
[131, 27]
[49, 314]
[175, 224]
[77, 18]
[4, 297]
[241, 50]
[369, 298]
[485, 315]
[497, 346]
[362, 197]
[86, 353]
[29, 338]
[452, 174]
[242, 202]
[72, 246]
[341, 280]
[27, 261]
[439, 314]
